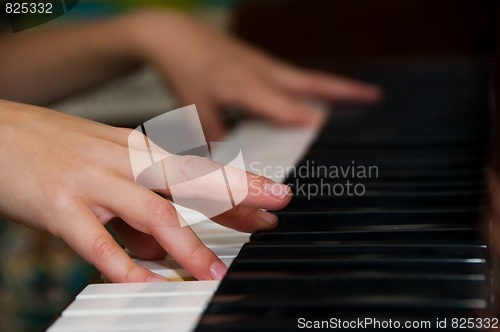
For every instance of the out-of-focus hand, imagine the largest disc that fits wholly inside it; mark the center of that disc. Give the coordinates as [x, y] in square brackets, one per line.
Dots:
[71, 176]
[210, 69]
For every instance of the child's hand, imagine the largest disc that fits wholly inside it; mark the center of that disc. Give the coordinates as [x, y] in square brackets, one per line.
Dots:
[71, 176]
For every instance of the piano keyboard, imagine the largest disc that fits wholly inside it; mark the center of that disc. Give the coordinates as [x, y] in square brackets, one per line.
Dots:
[411, 248]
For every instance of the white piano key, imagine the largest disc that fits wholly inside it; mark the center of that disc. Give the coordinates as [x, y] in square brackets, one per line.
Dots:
[209, 226]
[137, 305]
[166, 268]
[97, 291]
[145, 322]
[225, 239]
[226, 251]
[264, 145]
[162, 268]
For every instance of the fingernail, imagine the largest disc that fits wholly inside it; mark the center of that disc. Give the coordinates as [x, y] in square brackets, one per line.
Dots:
[217, 270]
[267, 217]
[277, 190]
[156, 278]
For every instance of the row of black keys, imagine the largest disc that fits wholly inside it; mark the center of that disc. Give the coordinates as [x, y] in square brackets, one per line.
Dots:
[411, 248]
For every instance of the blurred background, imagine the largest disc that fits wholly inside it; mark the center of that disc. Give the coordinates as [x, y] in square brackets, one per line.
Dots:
[40, 275]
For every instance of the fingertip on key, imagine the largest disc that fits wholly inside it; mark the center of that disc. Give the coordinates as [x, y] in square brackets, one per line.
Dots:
[218, 270]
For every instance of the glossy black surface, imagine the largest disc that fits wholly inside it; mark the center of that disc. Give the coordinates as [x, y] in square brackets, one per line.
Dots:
[412, 247]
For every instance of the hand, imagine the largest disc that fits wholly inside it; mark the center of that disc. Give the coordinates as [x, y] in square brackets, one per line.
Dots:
[71, 176]
[202, 66]
[210, 69]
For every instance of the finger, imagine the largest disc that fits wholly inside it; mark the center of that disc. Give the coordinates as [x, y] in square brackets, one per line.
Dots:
[204, 185]
[263, 193]
[151, 214]
[140, 245]
[267, 100]
[246, 219]
[89, 238]
[317, 84]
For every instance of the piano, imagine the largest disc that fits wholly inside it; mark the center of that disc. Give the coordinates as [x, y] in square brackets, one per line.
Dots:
[389, 224]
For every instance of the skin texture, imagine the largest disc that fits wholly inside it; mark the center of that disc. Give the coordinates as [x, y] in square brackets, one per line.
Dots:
[70, 177]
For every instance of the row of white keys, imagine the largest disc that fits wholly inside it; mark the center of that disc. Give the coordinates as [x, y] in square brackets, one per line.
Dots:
[173, 306]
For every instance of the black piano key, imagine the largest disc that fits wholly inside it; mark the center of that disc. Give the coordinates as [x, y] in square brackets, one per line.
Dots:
[428, 285]
[462, 235]
[360, 251]
[309, 220]
[332, 227]
[420, 266]
[402, 200]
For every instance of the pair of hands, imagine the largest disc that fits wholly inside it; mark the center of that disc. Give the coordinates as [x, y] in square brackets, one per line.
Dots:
[70, 177]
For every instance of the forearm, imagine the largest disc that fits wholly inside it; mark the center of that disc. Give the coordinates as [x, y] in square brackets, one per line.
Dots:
[42, 66]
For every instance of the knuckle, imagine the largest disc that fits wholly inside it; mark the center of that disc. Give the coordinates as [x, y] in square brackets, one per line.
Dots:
[200, 252]
[60, 197]
[162, 213]
[256, 183]
[192, 167]
[104, 247]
